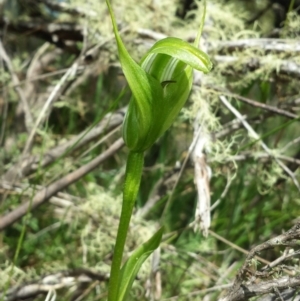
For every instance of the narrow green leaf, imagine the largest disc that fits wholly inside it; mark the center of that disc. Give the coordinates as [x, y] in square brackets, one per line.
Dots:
[134, 262]
[144, 87]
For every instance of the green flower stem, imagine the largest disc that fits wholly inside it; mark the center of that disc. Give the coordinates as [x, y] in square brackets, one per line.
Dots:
[133, 176]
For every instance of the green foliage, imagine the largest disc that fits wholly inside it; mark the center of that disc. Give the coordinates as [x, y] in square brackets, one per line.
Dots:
[134, 263]
[160, 86]
[162, 81]
[253, 198]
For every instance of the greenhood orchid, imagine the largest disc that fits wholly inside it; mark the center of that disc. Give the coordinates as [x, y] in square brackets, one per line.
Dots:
[160, 86]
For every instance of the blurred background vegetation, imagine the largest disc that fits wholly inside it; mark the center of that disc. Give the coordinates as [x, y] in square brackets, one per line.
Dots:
[62, 100]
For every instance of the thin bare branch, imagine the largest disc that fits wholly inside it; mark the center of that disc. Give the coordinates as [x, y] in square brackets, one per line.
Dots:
[254, 135]
[55, 33]
[286, 255]
[261, 155]
[260, 105]
[274, 45]
[52, 282]
[246, 292]
[286, 67]
[32, 163]
[44, 194]
[16, 82]
[52, 97]
[240, 291]
[229, 243]
[64, 7]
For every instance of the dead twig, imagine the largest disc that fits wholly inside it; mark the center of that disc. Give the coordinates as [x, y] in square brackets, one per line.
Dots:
[286, 67]
[52, 97]
[261, 105]
[274, 45]
[53, 282]
[241, 289]
[64, 7]
[32, 163]
[15, 80]
[59, 34]
[43, 195]
[261, 155]
[267, 287]
[254, 135]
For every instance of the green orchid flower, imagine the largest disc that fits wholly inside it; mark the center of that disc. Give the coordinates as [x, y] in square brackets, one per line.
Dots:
[160, 85]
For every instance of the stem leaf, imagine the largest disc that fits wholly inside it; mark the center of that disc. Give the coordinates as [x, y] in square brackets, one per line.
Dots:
[134, 262]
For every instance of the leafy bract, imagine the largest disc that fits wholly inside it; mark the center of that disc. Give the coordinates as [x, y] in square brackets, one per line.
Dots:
[134, 262]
